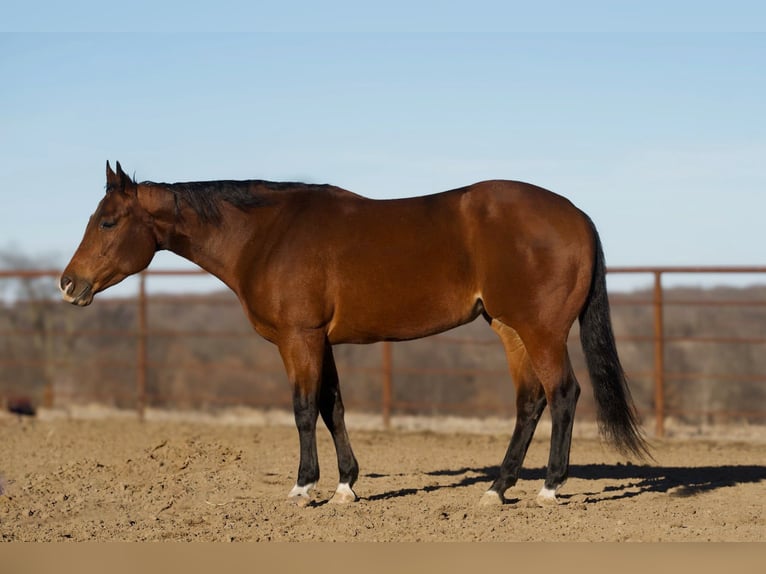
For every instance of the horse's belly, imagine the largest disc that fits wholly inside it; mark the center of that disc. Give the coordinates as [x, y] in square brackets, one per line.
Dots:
[401, 317]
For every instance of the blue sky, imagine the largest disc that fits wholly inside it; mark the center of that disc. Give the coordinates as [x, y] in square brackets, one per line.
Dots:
[659, 135]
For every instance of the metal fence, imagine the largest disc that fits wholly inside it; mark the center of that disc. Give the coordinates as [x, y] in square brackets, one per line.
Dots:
[394, 378]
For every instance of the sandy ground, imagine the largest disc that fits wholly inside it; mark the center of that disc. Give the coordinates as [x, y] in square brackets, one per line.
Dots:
[116, 479]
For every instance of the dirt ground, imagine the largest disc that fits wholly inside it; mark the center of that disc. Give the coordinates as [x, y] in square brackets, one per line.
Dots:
[116, 479]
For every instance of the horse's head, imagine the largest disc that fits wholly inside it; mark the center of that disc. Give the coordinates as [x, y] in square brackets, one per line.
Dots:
[119, 241]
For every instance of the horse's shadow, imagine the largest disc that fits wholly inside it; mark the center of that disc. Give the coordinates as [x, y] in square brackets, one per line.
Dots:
[635, 480]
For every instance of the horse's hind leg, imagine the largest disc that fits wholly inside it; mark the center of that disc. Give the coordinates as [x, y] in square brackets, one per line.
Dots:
[331, 409]
[543, 375]
[562, 398]
[530, 403]
[550, 360]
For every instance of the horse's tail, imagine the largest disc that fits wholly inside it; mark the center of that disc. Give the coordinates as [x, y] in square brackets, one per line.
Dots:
[617, 416]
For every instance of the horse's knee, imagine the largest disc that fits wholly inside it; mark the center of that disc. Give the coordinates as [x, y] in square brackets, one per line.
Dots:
[305, 411]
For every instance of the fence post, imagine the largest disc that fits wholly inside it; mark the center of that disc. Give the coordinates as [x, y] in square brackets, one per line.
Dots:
[659, 357]
[141, 349]
[387, 384]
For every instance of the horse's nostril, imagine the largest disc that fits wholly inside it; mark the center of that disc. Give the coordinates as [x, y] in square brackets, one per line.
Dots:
[66, 285]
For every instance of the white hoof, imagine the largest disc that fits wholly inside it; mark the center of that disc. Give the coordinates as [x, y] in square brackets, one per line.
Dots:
[547, 497]
[491, 498]
[300, 495]
[343, 495]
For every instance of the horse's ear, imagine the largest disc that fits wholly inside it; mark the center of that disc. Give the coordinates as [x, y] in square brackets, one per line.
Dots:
[124, 181]
[111, 177]
[119, 181]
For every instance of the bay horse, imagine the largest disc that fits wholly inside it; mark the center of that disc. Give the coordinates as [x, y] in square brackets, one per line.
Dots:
[316, 265]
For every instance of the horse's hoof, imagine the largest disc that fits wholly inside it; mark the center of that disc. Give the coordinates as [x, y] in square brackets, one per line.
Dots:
[491, 498]
[299, 495]
[343, 495]
[547, 497]
[299, 501]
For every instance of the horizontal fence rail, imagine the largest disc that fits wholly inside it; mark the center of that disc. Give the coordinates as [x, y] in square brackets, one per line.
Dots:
[54, 351]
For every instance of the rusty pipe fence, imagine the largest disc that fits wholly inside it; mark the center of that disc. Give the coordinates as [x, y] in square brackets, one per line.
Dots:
[660, 341]
[385, 369]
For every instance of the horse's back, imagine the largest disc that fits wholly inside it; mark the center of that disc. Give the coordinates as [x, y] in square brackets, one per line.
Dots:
[441, 259]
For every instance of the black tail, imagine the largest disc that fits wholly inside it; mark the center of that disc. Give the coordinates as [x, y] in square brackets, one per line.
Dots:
[617, 416]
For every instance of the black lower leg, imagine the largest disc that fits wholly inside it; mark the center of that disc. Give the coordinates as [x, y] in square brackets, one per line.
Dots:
[306, 412]
[333, 415]
[562, 414]
[529, 408]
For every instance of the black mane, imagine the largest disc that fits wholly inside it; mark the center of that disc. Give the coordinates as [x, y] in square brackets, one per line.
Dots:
[205, 197]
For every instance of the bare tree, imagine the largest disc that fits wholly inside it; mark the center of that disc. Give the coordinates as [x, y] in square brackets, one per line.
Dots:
[29, 364]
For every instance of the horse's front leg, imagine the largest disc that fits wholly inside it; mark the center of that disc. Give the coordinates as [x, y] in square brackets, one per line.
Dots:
[331, 409]
[302, 352]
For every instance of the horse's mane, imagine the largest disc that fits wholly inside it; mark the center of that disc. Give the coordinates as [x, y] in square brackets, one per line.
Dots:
[205, 197]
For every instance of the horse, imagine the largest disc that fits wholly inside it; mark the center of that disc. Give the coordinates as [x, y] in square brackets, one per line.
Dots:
[316, 265]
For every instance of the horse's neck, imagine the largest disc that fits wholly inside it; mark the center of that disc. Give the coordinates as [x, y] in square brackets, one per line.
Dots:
[213, 247]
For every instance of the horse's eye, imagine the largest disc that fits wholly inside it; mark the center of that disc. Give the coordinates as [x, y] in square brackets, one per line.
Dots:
[107, 224]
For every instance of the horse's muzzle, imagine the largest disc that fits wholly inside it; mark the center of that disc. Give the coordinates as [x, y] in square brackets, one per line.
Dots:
[76, 291]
